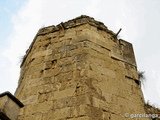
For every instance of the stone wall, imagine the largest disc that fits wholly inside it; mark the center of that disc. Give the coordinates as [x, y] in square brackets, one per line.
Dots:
[78, 70]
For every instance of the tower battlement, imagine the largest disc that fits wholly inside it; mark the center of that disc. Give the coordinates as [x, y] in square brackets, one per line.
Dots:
[83, 19]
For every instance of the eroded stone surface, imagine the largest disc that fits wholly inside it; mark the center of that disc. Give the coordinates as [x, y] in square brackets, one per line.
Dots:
[78, 70]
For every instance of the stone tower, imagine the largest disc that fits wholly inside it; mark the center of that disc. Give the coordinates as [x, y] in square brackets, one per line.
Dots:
[79, 70]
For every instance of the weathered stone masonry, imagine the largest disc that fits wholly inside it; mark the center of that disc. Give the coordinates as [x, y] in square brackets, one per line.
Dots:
[78, 70]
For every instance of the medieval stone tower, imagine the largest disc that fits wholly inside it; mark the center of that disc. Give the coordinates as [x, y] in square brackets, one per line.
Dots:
[79, 70]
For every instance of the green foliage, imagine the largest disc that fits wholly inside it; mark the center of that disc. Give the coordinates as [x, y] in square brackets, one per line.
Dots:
[141, 75]
[151, 104]
[74, 20]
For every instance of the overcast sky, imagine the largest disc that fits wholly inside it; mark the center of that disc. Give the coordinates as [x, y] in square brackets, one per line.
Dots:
[139, 20]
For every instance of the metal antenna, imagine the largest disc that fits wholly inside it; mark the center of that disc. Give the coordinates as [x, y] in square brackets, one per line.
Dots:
[118, 33]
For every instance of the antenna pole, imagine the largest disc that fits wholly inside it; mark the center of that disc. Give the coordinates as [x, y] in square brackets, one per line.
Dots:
[118, 33]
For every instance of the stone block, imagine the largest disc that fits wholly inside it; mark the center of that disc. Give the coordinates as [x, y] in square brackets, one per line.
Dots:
[83, 37]
[70, 32]
[29, 91]
[57, 114]
[65, 84]
[100, 104]
[49, 52]
[81, 57]
[36, 68]
[67, 68]
[30, 100]
[36, 116]
[114, 108]
[124, 93]
[38, 107]
[39, 54]
[115, 117]
[96, 54]
[104, 86]
[108, 97]
[65, 61]
[57, 44]
[9, 106]
[64, 93]
[79, 100]
[50, 64]
[52, 72]
[132, 74]
[38, 82]
[46, 88]
[83, 26]
[39, 60]
[106, 116]
[67, 48]
[124, 52]
[42, 98]
[104, 71]
[55, 56]
[85, 110]
[65, 77]
[103, 44]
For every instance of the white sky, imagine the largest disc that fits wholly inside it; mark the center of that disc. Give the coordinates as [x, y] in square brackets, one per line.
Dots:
[139, 20]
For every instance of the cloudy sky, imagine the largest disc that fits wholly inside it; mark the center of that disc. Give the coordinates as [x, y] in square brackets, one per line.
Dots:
[139, 20]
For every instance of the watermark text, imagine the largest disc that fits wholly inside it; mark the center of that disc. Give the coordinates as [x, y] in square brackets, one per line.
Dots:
[143, 115]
